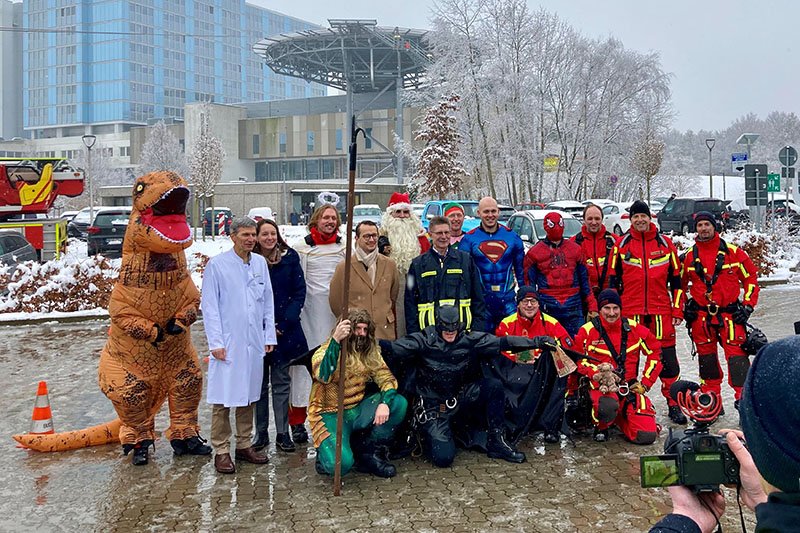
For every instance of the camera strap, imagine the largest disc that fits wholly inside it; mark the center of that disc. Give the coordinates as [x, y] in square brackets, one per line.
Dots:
[701, 272]
[619, 357]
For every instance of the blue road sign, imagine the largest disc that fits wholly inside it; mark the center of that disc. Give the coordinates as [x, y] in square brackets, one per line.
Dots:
[737, 158]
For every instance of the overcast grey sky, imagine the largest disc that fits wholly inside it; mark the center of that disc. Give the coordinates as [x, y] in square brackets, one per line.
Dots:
[727, 57]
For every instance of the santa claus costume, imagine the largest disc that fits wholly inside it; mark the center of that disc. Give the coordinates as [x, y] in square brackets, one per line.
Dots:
[408, 239]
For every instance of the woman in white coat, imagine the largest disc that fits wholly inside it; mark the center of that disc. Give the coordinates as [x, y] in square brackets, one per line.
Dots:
[239, 320]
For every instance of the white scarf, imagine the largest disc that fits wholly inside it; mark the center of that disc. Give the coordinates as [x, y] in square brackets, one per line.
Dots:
[370, 261]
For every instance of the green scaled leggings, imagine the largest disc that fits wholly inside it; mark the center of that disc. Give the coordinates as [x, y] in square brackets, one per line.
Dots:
[357, 418]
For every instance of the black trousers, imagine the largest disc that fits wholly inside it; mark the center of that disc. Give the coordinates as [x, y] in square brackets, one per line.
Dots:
[481, 401]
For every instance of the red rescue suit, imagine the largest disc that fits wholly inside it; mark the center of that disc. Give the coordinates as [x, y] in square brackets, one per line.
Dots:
[647, 274]
[541, 324]
[727, 269]
[633, 413]
[597, 249]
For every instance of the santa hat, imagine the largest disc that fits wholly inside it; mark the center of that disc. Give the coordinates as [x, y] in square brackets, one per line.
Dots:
[398, 201]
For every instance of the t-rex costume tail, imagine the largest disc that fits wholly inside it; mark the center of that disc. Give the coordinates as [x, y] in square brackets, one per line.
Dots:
[148, 356]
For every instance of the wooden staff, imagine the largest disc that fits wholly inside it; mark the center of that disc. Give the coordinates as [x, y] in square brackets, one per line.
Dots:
[351, 197]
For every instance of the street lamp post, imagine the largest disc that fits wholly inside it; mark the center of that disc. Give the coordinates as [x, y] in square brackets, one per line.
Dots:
[710, 144]
[88, 141]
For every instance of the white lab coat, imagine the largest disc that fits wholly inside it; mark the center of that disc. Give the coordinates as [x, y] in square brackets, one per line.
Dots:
[238, 315]
[318, 263]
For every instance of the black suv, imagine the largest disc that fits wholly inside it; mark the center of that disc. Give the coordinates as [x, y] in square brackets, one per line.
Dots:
[107, 232]
[678, 215]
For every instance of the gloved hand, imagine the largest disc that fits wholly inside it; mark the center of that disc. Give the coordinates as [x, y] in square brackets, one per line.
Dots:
[638, 387]
[159, 335]
[173, 328]
[742, 314]
[591, 314]
[542, 342]
[690, 314]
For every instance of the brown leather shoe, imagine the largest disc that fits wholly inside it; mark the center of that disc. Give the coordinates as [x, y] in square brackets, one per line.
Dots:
[224, 464]
[251, 456]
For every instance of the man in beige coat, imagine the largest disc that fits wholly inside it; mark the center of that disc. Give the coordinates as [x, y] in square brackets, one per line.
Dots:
[374, 282]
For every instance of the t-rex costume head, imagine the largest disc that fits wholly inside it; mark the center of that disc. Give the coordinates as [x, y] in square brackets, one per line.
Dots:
[157, 232]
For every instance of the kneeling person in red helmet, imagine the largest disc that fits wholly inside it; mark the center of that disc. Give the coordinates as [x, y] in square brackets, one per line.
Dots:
[615, 340]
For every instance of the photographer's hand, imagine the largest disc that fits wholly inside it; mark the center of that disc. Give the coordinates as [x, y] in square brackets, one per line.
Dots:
[689, 504]
[752, 490]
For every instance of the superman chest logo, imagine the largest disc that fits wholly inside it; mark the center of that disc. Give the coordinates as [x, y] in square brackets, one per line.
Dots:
[493, 250]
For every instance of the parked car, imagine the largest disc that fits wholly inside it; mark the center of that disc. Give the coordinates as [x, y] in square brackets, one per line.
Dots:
[434, 208]
[678, 215]
[78, 226]
[602, 202]
[616, 217]
[211, 223]
[529, 206]
[367, 212]
[417, 209]
[107, 231]
[506, 212]
[258, 213]
[529, 225]
[567, 206]
[69, 215]
[15, 249]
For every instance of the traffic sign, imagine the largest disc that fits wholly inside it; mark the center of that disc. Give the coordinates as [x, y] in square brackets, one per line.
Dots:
[738, 161]
[787, 173]
[755, 185]
[788, 156]
[613, 180]
[774, 182]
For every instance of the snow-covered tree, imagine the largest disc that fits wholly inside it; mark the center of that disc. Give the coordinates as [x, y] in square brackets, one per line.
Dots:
[100, 170]
[163, 151]
[206, 160]
[438, 168]
[646, 160]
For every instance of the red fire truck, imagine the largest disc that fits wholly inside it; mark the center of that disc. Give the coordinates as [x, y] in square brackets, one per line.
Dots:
[29, 187]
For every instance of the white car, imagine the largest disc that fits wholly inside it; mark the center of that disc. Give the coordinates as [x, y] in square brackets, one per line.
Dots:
[364, 212]
[616, 218]
[417, 209]
[602, 202]
[257, 213]
[567, 206]
[529, 225]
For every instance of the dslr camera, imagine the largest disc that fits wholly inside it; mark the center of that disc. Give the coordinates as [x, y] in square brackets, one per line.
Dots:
[693, 457]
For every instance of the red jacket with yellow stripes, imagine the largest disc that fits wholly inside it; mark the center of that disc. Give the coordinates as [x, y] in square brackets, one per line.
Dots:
[738, 271]
[542, 324]
[647, 273]
[640, 341]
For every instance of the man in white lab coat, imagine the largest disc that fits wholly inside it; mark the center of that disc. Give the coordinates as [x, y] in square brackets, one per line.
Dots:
[239, 320]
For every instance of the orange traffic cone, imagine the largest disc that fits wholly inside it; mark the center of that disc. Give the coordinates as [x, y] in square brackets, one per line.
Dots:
[42, 422]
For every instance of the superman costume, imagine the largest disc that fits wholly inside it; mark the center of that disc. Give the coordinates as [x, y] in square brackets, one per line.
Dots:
[499, 257]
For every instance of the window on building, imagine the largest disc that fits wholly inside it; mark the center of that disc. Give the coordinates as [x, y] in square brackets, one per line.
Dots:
[339, 141]
[368, 139]
[255, 144]
[282, 142]
[310, 141]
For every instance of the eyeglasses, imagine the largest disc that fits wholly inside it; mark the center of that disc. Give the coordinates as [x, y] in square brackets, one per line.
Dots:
[370, 237]
[529, 301]
[440, 233]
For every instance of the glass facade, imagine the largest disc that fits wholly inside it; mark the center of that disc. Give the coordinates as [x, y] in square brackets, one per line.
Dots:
[165, 54]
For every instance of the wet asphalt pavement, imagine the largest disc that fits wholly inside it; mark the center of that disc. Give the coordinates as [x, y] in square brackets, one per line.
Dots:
[588, 487]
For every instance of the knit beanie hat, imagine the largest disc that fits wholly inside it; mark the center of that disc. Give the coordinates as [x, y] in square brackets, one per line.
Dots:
[608, 296]
[769, 410]
[526, 291]
[554, 226]
[640, 207]
[705, 215]
[452, 206]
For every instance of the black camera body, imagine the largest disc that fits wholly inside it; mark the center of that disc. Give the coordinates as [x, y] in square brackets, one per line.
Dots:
[694, 457]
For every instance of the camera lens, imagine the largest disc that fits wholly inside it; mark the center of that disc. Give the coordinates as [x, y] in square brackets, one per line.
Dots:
[705, 400]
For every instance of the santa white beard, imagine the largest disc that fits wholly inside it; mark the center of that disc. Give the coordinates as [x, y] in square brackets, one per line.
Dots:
[403, 236]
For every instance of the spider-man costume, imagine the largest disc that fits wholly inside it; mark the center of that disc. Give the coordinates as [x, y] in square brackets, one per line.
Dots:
[498, 257]
[559, 274]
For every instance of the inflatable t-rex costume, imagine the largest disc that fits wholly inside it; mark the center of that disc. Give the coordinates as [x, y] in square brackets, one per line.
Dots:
[149, 355]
